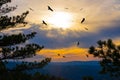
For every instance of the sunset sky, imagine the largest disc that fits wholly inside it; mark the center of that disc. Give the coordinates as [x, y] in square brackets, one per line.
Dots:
[64, 29]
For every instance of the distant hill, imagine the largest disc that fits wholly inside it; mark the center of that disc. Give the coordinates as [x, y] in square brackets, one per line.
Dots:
[75, 70]
[71, 70]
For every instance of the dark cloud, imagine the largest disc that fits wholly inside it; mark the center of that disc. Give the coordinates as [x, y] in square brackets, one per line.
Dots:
[59, 40]
[108, 33]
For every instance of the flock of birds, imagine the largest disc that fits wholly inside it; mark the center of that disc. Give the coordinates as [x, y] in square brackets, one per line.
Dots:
[82, 21]
[49, 8]
[61, 55]
[77, 45]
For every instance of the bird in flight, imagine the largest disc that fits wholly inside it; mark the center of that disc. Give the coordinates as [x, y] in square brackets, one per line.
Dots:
[81, 9]
[58, 54]
[64, 56]
[83, 20]
[66, 8]
[31, 9]
[44, 22]
[87, 55]
[78, 43]
[49, 8]
[86, 28]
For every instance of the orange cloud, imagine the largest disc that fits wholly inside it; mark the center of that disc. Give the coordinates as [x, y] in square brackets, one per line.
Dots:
[67, 54]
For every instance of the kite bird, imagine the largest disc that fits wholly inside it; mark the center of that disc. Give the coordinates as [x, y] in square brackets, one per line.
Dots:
[44, 22]
[49, 8]
[86, 28]
[64, 56]
[31, 9]
[78, 43]
[87, 55]
[81, 9]
[58, 54]
[83, 20]
[66, 8]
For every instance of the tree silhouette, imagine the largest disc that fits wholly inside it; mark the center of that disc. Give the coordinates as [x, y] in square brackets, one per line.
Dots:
[109, 55]
[10, 49]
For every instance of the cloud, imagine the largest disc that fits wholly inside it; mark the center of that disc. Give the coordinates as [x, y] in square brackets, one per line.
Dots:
[71, 54]
[59, 38]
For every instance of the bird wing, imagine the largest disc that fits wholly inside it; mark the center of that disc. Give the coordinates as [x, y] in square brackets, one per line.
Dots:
[83, 20]
[49, 8]
[87, 55]
[63, 56]
[44, 22]
[58, 54]
[77, 43]
[86, 28]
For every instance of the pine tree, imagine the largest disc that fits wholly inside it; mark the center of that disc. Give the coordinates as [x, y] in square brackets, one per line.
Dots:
[109, 54]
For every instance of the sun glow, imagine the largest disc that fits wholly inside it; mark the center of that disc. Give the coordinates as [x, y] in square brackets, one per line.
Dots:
[60, 20]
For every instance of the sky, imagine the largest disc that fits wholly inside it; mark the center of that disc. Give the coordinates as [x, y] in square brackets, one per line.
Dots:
[64, 29]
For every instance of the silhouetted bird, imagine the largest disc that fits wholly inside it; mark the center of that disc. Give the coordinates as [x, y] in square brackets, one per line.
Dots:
[81, 9]
[78, 43]
[58, 54]
[44, 22]
[31, 9]
[64, 56]
[66, 8]
[49, 8]
[83, 20]
[86, 28]
[87, 55]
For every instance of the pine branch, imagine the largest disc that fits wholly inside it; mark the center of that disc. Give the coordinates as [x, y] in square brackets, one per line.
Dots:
[15, 39]
[7, 9]
[109, 53]
[20, 52]
[11, 22]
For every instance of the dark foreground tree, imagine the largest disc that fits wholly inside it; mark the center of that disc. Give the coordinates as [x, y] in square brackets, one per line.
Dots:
[109, 54]
[10, 49]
